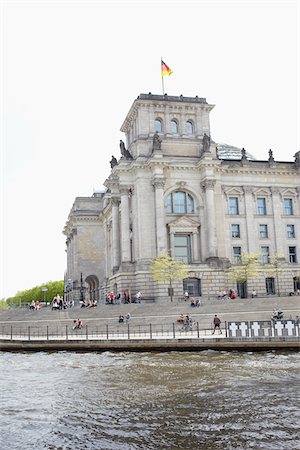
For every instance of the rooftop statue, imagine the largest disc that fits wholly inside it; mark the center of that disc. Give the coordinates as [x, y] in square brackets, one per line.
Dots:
[124, 152]
[271, 158]
[206, 142]
[156, 142]
[113, 162]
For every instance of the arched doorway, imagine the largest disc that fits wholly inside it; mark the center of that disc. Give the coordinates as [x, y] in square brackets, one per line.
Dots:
[92, 287]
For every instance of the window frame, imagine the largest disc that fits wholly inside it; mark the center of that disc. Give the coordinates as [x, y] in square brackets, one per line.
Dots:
[174, 122]
[288, 208]
[291, 234]
[237, 257]
[293, 255]
[262, 234]
[189, 203]
[160, 121]
[233, 209]
[191, 124]
[265, 256]
[261, 210]
[188, 246]
[237, 231]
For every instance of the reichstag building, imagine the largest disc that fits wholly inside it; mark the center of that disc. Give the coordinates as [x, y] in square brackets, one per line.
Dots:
[173, 189]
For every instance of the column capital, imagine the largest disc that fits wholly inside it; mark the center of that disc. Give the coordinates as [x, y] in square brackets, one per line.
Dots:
[158, 183]
[125, 190]
[208, 184]
[115, 201]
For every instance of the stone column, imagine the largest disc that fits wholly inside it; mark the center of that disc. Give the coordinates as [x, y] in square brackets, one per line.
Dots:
[115, 233]
[125, 232]
[160, 226]
[195, 247]
[208, 187]
[277, 213]
[249, 213]
[172, 252]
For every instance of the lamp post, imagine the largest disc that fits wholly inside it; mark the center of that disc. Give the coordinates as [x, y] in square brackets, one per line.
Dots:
[81, 288]
[44, 289]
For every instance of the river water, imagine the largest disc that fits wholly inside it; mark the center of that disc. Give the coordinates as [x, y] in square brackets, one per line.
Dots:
[206, 400]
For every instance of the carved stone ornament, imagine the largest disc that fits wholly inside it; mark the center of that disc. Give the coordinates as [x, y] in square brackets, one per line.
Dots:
[113, 162]
[156, 145]
[206, 143]
[208, 184]
[115, 201]
[158, 183]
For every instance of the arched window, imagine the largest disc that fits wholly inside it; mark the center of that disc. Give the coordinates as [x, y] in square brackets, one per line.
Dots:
[174, 126]
[158, 125]
[189, 127]
[179, 202]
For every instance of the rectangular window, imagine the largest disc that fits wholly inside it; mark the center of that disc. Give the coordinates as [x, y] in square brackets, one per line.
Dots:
[290, 231]
[263, 231]
[288, 206]
[235, 230]
[261, 206]
[237, 254]
[292, 255]
[182, 247]
[233, 205]
[265, 255]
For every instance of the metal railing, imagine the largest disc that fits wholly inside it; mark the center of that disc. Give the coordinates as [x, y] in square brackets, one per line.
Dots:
[133, 331]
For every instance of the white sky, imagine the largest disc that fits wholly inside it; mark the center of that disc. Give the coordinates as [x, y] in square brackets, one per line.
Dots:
[70, 71]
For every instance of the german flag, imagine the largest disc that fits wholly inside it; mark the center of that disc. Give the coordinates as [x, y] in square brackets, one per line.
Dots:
[165, 70]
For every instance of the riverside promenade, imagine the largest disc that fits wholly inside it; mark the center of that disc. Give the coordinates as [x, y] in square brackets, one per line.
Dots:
[246, 325]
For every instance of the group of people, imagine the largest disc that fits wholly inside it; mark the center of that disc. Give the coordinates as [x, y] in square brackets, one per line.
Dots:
[124, 319]
[222, 295]
[78, 324]
[35, 305]
[59, 302]
[88, 303]
[116, 298]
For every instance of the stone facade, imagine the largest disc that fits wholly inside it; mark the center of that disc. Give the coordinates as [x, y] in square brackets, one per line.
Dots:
[171, 191]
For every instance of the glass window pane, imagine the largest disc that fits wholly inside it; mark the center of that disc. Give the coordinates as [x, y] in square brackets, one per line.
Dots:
[190, 204]
[179, 202]
[290, 231]
[233, 205]
[169, 203]
[174, 126]
[158, 125]
[288, 207]
[261, 206]
[189, 127]
[181, 240]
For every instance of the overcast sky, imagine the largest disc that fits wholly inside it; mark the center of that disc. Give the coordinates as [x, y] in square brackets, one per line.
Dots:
[70, 71]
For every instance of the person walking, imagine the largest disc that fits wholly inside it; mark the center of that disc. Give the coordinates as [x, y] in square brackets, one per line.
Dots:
[217, 324]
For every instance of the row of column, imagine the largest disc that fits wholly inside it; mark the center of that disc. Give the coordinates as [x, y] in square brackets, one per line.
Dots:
[121, 248]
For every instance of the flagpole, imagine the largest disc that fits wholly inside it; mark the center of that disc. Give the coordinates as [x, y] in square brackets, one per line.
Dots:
[162, 78]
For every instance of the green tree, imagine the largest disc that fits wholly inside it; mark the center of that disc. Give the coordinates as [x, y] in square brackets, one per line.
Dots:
[165, 268]
[276, 263]
[25, 297]
[248, 267]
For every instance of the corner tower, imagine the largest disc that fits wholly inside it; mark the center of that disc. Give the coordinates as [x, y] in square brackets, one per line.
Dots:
[181, 123]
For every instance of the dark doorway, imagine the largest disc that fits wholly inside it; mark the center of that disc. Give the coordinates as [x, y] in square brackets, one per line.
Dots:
[242, 289]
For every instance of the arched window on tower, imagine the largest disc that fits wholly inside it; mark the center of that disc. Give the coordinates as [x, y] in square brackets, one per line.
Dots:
[180, 202]
[158, 125]
[174, 126]
[189, 126]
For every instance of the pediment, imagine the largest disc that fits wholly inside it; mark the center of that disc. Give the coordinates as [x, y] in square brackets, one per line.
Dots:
[263, 192]
[233, 191]
[184, 222]
[288, 192]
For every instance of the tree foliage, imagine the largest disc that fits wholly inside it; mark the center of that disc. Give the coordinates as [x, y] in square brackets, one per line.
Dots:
[22, 298]
[165, 268]
[248, 267]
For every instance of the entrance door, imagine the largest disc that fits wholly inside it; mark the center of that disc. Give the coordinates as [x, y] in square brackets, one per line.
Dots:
[270, 286]
[242, 289]
[192, 286]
